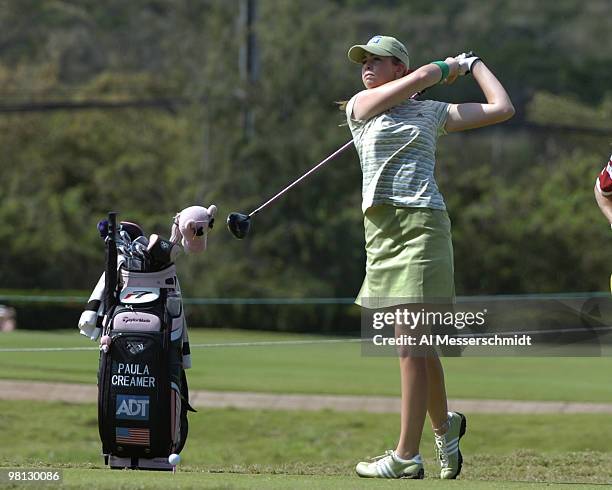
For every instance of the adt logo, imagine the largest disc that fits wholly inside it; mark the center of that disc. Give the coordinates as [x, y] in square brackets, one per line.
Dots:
[131, 407]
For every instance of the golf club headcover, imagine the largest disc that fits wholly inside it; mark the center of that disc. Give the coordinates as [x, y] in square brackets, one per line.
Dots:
[161, 252]
[191, 227]
[90, 321]
[91, 318]
[134, 230]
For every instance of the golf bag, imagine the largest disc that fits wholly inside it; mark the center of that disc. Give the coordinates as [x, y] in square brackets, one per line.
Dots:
[143, 397]
[142, 388]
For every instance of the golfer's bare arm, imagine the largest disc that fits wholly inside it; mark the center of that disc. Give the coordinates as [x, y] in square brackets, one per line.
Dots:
[374, 101]
[474, 115]
[604, 203]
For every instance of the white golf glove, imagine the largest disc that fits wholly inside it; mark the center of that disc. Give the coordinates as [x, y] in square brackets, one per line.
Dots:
[466, 61]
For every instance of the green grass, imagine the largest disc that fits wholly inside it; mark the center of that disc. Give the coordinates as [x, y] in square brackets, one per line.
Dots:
[278, 449]
[309, 450]
[320, 368]
[94, 479]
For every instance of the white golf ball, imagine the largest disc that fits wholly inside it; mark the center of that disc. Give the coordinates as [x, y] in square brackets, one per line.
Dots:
[174, 459]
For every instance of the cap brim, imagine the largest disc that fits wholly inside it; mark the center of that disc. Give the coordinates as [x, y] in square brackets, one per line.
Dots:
[358, 52]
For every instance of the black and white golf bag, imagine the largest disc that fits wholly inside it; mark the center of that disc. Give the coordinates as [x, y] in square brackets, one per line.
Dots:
[142, 388]
[143, 397]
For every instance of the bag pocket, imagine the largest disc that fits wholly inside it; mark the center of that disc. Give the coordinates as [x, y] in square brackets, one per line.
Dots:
[134, 404]
[138, 319]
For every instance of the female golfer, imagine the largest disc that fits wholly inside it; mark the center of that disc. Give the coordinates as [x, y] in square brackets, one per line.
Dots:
[407, 229]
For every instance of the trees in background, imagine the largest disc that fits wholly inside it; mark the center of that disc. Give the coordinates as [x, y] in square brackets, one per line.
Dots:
[519, 195]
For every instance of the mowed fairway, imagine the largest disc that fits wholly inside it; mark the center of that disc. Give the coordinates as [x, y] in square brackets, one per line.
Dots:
[278, 449]
[333, 368]
[231, 448]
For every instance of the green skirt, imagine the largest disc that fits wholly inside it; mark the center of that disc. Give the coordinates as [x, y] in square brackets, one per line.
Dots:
[409, 257]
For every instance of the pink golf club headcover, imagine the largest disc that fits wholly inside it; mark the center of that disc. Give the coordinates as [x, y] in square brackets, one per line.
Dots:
[191, 227]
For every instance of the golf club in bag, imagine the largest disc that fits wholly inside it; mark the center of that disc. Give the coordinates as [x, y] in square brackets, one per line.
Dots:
[239, 224]
[143, 398]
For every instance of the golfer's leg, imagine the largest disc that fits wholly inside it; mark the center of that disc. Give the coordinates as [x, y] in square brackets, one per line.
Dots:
[436, 403]
[414, 386]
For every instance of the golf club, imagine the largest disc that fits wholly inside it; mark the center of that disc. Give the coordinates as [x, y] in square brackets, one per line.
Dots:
[239, 224]
[125, 243]
[110, 278]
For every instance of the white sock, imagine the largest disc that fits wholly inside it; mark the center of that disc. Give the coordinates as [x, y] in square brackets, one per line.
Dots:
[414, 459]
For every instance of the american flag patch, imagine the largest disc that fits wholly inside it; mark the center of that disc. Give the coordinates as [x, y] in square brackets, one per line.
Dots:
[135, 437]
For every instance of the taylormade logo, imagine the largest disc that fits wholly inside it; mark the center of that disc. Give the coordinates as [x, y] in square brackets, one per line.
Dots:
[137, 294]
[133, 320]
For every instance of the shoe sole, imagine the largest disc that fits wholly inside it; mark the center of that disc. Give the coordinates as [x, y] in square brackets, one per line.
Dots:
[419, 476]
[461, 434]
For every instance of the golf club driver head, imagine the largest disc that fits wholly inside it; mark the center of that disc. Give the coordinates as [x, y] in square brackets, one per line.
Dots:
[239, 224]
